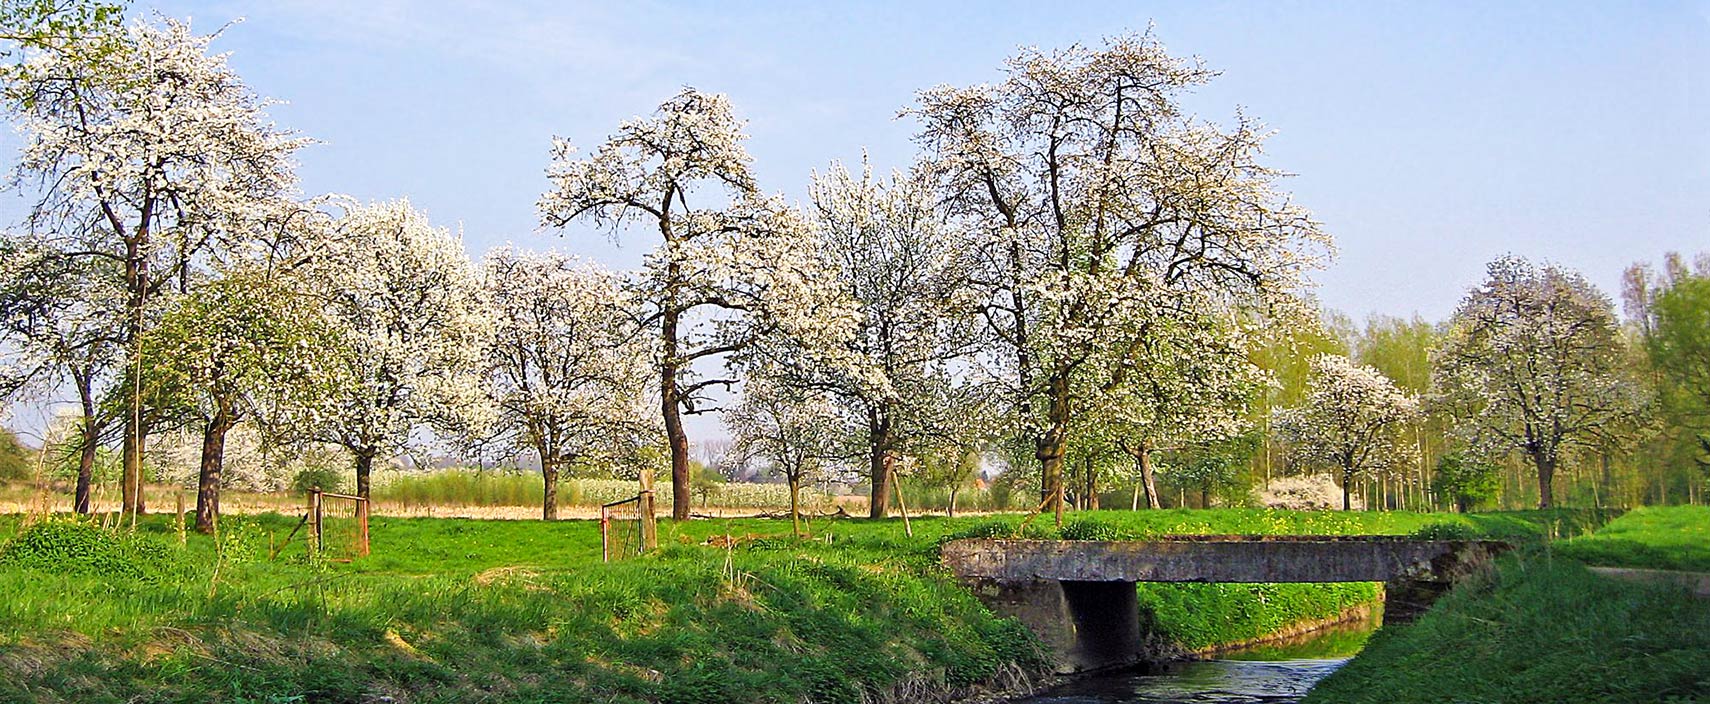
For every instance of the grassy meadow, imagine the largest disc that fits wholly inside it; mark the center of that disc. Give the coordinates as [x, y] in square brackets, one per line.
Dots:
[733, 610]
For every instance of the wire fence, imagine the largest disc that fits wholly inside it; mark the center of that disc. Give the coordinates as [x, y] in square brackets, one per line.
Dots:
[338, 525]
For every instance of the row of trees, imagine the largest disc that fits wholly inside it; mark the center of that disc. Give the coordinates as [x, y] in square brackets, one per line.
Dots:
[1077, 279]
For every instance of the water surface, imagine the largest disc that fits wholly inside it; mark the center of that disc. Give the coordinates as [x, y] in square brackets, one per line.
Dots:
[1272, 673]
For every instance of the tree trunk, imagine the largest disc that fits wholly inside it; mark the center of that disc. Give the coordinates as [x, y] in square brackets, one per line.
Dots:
[549, 480]
[1050, 446]
[1148, 478]
[670, 408]
[364, 468]
[952, 501]
[1205, 497]
[1092, 486]
[85, 468]
[1347, 476]
[1546, 478]
[89, 433]
[1606, 478]
[880, 462]
[795, 505]
[213, 461]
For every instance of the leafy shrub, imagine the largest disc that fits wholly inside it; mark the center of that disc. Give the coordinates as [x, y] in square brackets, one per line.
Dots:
[14, 457]
[1467, 480]
[68, 546]
[323, 476]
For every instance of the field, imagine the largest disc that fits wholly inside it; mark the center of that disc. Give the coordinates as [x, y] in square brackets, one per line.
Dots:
[1543, 628]
[461, 610]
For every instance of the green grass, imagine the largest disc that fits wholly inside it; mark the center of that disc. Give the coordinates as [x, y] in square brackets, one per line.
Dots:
[1543, 628]
[1537, 631]
[523, 611]
[1665, 538]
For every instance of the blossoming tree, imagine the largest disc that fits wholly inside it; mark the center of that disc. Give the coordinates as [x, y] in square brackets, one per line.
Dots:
[1352, 421]
[730, 265]
[402, 302]
[566, 363]
[796, 432]
[1095, 203]
[1533, 363]
[148, 152]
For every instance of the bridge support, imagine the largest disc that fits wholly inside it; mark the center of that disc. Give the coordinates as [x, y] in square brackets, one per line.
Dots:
[1088, 625]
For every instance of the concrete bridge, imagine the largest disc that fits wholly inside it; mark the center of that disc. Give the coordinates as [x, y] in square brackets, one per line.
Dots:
[1079, 596]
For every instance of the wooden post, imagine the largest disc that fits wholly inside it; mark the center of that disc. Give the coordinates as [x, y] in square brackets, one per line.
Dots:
[362, 528]
[605, 534]
[649, 525]
[314, 520]
[896, 485]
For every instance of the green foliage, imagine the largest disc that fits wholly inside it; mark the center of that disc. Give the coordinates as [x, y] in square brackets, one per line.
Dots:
[1679, 349]
[1537, 631]
[326, 477]
[16, 461]
[1004, 529]
[704, 482]
[37, 24]
[1217, 472]
[1092, 529]
[65, 546]
[1669, 538]
[1400, 348]
[1467, 480]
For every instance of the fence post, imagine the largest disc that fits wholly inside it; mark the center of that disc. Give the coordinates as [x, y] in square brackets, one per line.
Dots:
[314, 520]
[605, 534]
[644, 505]
[362, 528]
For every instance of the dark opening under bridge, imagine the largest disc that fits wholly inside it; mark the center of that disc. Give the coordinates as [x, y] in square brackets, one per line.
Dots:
[1079, 596]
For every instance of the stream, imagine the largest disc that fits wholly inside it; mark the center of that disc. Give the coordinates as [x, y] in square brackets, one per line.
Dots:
[1281, 671]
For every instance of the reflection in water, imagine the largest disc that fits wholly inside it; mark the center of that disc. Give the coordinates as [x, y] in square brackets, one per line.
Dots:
[1274, 672]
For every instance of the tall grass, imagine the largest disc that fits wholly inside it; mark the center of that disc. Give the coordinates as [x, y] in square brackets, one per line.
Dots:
[466, 487]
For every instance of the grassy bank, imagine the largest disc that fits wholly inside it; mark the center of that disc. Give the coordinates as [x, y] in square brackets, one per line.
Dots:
[1543, 628]
[464, 610]
[1664, 538]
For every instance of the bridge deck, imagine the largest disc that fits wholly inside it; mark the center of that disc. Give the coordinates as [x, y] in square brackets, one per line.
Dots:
[1220, 559]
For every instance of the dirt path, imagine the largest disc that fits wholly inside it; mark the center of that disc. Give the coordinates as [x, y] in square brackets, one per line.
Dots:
[1696, 582]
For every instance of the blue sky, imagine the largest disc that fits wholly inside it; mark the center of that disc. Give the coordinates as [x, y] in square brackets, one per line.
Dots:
[1428, 137]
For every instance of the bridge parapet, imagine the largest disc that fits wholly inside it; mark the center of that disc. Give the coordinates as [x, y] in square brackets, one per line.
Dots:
[1222, 559]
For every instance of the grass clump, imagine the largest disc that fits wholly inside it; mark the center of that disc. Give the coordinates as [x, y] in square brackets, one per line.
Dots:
[69, 546]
